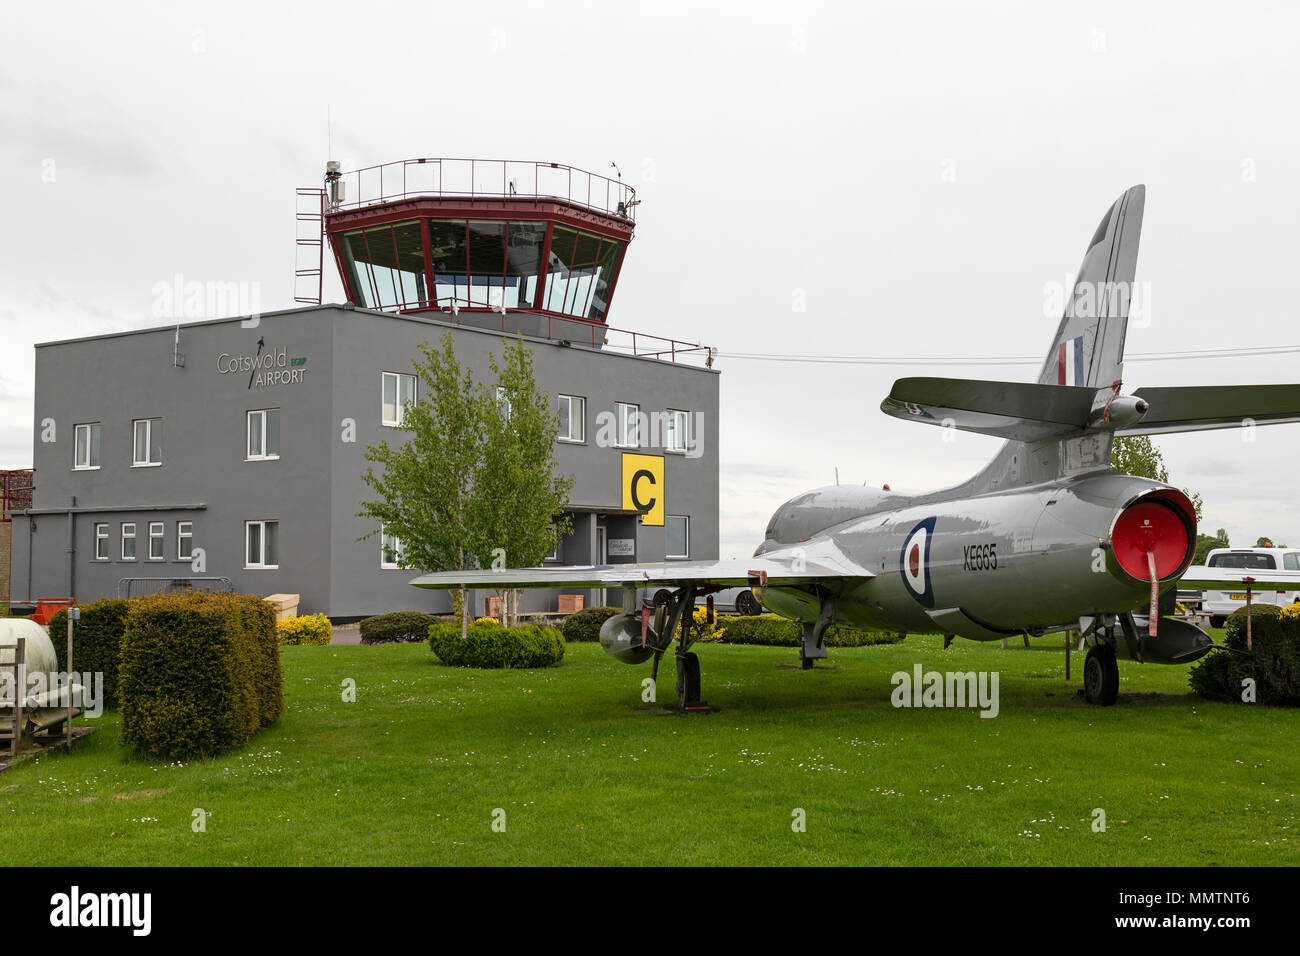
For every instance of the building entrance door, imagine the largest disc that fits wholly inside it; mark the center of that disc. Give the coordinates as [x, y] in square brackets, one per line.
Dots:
[602, 557]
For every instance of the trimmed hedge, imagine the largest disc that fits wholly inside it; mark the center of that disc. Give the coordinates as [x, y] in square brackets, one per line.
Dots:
[409, 626]
[777, 631]
[489, 644]
[306, 629]
[585, 625]
[1274, 664]
[199, 674]
[96, 641]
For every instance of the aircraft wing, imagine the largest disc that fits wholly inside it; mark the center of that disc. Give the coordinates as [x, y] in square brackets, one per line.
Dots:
[815, 563]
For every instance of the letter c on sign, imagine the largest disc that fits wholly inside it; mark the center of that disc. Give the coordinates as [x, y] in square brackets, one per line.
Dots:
[636, 495]
[643, 491]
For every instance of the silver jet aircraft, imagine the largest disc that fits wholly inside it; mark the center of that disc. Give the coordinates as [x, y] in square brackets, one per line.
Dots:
[1047, 537]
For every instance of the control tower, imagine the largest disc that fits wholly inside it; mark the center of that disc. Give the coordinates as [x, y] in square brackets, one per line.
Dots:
[253, 472]
[527, 247]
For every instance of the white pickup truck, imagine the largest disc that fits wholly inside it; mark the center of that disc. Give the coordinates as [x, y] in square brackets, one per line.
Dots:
[1276, 570]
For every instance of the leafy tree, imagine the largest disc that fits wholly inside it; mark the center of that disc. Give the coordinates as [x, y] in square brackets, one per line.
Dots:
[476, 485]
[1138, 456]
[520, 496]
[1267, 543]
[425, 486]
[1206, 543]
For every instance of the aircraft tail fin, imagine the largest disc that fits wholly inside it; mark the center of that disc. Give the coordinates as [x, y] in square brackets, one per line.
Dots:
[1076, 408]
[1070, 406]
[1088, 350]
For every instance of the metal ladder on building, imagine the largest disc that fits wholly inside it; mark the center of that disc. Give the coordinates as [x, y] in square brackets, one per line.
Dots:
[309, 241]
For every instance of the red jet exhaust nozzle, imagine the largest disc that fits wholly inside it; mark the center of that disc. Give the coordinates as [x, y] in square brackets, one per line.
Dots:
[1157, 529]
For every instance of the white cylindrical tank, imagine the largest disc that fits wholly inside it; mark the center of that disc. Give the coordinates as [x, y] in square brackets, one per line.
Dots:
[39, 656]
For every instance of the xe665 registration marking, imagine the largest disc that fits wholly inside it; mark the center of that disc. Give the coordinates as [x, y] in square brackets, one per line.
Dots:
[980, 557]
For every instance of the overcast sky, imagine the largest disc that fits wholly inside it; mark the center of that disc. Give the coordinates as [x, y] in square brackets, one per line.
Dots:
[916, 176]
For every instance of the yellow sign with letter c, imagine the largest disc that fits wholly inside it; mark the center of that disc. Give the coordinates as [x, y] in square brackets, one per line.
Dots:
[643, 487]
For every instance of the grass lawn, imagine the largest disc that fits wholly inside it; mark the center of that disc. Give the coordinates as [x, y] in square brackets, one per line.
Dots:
[586, 773]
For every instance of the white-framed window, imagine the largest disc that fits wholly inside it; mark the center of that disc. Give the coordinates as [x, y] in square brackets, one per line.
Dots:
[184, 540]
[128, 540]
[573, 419]
[677, 530]
[85, 455]
[263, 435]
[261, 544]
[147, 443]
[157, 546]
[390, 549]
[677, 430]
[101, 540]
[399, 391]
[627, 418]
[503, 399]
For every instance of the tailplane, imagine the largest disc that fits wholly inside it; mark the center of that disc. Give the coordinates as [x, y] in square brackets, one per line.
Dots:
[1066, 421]
[1078, 388]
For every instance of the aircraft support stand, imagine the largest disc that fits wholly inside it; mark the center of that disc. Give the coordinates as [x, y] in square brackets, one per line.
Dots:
[813, 647]
[688, 663]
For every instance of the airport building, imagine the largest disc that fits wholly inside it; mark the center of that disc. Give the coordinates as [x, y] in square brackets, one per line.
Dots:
[231, 451]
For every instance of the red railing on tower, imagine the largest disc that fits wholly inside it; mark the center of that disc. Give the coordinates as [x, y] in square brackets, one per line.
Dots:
[482, 178]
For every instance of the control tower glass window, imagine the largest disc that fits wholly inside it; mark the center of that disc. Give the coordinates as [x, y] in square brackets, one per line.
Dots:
[486, 264]
[524, 244]
[386, 266]
[580, 273]
[486, 243]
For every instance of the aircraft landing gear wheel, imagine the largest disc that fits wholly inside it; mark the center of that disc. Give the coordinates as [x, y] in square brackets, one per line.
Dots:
[688, 679]
[807, 662]
[1101, 676]
[1217, 621]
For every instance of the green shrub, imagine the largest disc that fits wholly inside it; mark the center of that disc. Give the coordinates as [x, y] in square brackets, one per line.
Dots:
[397, 626]
[199, 673]
[96, 641]
[306, 629]
[585, 625]
[1274, 663]
[489, 644]
[774, 630]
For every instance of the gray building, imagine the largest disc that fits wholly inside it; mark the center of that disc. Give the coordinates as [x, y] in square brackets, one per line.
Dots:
[235, 448]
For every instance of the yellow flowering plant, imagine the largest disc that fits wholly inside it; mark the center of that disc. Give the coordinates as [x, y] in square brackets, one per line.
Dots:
[306, 629]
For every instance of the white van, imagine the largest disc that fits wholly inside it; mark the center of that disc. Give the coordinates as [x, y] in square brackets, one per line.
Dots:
[1271, 565]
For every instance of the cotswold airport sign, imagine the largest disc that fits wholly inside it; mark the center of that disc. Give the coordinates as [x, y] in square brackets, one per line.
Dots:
[267, 367]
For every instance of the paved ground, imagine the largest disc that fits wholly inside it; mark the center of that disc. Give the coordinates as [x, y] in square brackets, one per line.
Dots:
[346, 634]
